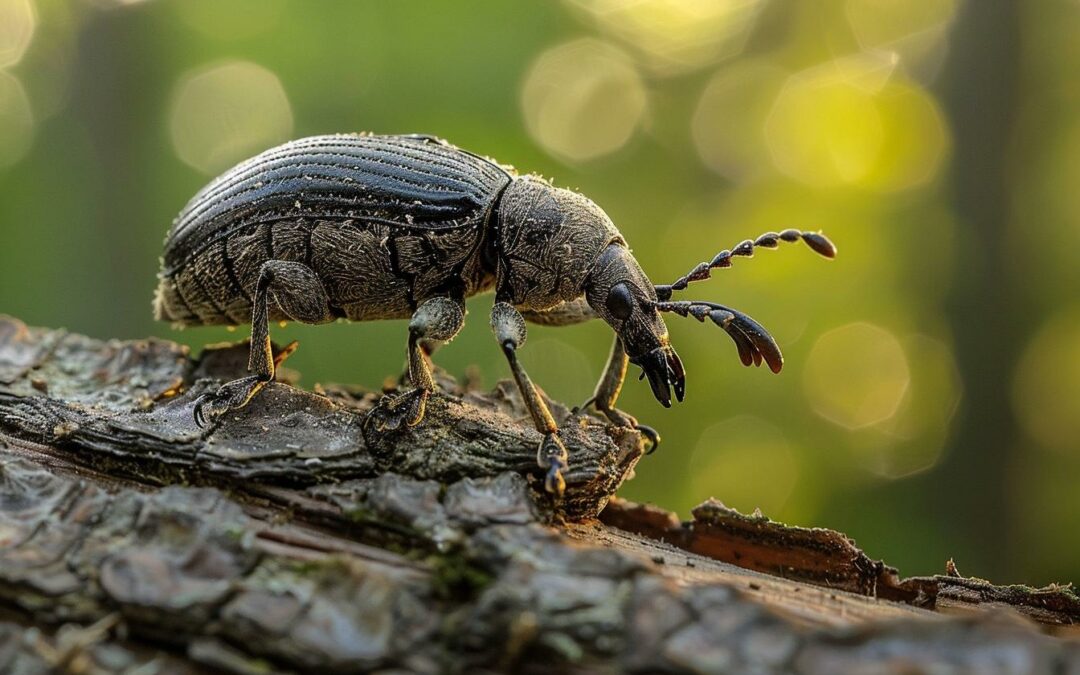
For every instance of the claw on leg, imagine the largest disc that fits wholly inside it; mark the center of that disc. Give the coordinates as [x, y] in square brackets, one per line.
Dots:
[607, 393]
[300, 295]
[552, 455]
[621, 419]
[652, 435]
[393, 411]
[229, 396]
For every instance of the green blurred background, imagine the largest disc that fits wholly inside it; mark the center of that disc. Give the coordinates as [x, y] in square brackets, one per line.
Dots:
[930, 406]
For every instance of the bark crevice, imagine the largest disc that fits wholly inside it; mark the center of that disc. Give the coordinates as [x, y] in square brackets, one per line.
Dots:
[281, 539]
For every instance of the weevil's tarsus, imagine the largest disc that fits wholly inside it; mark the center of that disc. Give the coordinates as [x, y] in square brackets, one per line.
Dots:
[436, 320]
[551, 455]
[229, 396]
[817, 242]
[299, 294]
[607, 392]
[391, 412]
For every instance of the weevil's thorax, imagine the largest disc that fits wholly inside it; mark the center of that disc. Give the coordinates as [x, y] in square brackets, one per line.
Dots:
[546, 242]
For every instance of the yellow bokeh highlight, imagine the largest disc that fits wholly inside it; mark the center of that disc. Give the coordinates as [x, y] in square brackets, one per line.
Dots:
[674, 36]
[583, 99]
[850, 122]
[226, 113]
[915, 143]
[913, 440]
[727, 126]
[17, 22]
[1046, 391]
[48, 66]
[856, 375]
[746, 462]
[16, 120]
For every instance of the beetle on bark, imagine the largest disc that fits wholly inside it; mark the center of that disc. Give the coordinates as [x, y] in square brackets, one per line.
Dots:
[366, 227]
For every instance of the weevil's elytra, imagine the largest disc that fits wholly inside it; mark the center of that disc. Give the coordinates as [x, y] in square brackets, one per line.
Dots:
[367, 227]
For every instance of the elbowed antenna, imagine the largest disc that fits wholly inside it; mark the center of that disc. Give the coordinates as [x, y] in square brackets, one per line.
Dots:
[818, 242]
[754, 343]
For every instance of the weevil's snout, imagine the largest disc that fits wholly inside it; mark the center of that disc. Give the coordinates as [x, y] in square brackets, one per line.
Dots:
[624, 297]
[665, 372]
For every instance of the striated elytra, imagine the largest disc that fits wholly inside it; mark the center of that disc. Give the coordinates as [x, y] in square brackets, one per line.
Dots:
[367, 227]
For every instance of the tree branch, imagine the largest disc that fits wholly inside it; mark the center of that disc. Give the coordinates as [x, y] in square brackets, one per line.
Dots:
[282, 539]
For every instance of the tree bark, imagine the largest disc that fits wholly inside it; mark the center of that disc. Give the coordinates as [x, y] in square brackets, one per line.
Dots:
[284, 538]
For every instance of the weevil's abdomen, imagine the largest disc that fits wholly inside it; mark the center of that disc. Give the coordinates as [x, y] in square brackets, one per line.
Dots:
[382, 220]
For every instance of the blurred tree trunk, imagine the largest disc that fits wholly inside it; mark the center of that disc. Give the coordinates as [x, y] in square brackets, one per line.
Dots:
[287, 537]
[988, 317]
[110, 94]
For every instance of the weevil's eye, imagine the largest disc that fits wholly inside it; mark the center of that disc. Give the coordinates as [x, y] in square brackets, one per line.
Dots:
[620, 302]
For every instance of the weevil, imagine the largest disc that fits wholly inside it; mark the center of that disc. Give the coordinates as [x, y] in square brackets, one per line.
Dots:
[366, 227]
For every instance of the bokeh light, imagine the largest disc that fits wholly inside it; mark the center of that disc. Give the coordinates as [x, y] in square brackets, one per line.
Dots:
[16, 120]
[226, 113]
[1046, 394]
[695, 124]
[673, 36]
[727, 128]
[17, 22]
[746, 462]
[916, 140]
[49, 64]
[851, 122]
[583, 99]
[914, 30]
[856, 375]
[913, 440]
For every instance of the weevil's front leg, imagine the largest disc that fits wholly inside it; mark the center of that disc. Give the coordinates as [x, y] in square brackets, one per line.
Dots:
[301, 296]
[437, 319]
[509, 328]
[607, 392]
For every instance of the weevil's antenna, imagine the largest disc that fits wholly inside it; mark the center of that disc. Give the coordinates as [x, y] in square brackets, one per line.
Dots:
[751, 339]
[815, 240]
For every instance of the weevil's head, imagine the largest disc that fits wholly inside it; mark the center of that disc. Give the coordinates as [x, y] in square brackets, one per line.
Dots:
[618, 290]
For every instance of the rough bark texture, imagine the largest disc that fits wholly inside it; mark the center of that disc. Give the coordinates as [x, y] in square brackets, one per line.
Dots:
[283, 540]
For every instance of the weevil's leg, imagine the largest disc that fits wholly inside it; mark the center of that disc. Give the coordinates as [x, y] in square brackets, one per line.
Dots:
[607, 393]
[607, 389]
[509, 328]
[435, 320]
[300, 295]
[429, 347]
